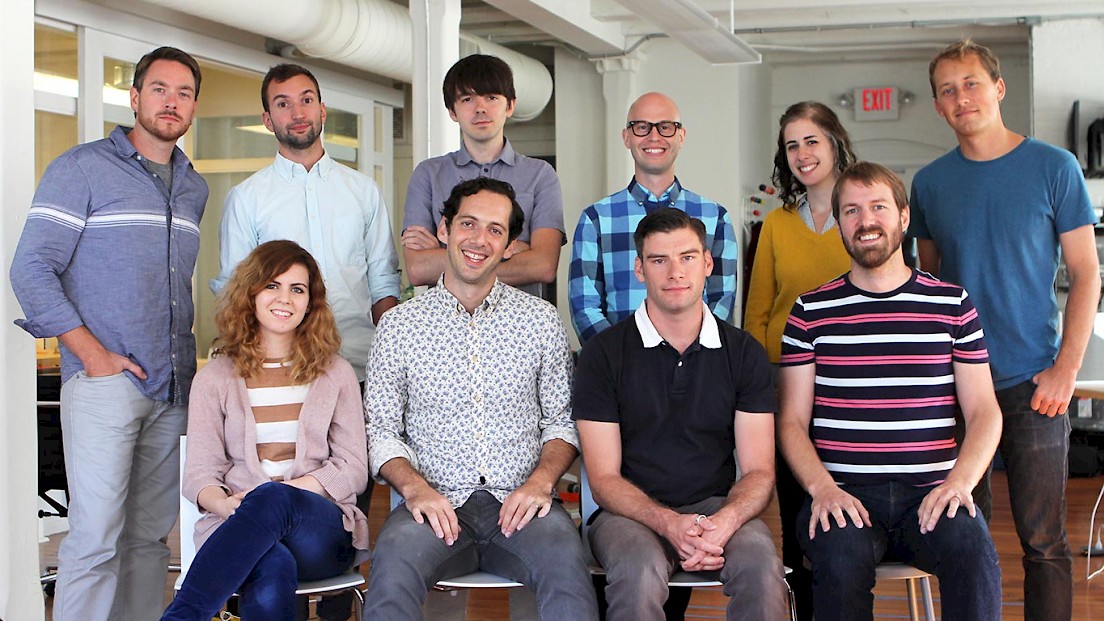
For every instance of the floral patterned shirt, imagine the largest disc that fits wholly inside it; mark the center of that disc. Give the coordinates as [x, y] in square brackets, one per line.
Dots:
[469, 399]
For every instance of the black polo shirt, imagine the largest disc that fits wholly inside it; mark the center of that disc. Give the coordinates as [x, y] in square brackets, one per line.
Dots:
[676, 412]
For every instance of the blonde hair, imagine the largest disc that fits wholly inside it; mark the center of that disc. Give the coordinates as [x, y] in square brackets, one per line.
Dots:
[316, 338]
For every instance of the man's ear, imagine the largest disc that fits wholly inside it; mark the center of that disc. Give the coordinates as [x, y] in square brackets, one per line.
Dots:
[442, 231]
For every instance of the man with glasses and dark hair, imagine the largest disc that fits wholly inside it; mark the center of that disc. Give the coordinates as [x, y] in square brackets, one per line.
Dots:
[603, 289]
[105, 265]
[479, 93]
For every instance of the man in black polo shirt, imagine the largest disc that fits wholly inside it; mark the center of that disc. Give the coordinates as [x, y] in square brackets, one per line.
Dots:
[668, 403]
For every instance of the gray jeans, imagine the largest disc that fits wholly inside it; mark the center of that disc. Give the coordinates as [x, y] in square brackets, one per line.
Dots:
[122, 461]
[546, 556]
[638, 563]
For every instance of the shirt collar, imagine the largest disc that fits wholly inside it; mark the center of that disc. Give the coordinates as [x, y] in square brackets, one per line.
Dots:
[288, 169]
[448, 300]
[806, 214]
[643, 195]
[125, 148]
[709, 336]
[508, 156]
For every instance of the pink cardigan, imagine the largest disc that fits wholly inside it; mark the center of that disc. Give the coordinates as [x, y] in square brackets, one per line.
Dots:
[331, 445]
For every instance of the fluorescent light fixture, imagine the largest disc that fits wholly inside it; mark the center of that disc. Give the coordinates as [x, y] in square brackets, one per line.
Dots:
[67, 87]
[693, 26]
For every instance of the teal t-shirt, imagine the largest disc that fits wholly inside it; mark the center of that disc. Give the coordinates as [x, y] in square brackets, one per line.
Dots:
[996, 225]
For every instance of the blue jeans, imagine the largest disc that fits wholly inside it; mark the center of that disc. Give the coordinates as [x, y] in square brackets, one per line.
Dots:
[546, 556]
[638, 563]
[278, 536]
[958, 551]
[1035, 450]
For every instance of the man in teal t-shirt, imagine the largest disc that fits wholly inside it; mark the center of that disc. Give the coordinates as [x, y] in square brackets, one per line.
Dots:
[991, 215]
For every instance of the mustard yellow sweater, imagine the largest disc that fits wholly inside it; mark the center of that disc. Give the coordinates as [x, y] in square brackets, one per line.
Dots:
[790, 260]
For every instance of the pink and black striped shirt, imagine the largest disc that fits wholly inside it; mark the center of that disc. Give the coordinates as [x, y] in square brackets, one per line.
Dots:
[884, 402]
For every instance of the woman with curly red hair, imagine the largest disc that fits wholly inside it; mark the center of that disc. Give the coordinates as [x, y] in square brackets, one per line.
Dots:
[276, 445]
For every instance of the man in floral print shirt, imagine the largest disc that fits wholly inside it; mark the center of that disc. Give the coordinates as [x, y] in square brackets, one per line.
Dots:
[468, 407]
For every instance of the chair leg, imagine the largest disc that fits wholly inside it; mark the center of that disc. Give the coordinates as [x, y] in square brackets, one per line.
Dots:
[929, 607]
[792, 600]
[358, 603]
[913, 603]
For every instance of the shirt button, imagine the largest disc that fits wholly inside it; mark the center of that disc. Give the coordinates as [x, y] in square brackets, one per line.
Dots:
[680, 363]
[477, 397]
[174, 302]
[474, 358]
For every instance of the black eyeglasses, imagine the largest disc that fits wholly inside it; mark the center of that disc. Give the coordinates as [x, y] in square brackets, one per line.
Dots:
[643, 128]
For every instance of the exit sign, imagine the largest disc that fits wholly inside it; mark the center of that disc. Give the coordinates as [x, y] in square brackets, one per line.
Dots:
[876, 103]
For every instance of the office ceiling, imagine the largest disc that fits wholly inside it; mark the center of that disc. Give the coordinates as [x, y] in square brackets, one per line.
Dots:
[782, 29]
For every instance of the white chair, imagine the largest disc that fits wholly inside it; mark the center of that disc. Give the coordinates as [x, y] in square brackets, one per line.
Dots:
[189, 515]
[474, 580]
[587, 507]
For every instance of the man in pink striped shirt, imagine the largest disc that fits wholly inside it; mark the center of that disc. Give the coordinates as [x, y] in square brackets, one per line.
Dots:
[875, 365]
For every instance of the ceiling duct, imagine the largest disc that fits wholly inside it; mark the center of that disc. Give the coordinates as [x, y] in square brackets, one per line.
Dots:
[372, 35]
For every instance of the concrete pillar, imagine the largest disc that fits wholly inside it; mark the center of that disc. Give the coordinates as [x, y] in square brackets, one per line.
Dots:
[20, 592]
[619, 90]
[436, 26]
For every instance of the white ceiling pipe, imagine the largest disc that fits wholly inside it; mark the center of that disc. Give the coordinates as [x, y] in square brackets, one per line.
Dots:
[532, 82]
[373, 35]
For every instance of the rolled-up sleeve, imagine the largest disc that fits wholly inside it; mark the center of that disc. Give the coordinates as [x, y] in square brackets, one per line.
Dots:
[586, 288]
[54, 225]
[555, 386]
[385, 400]
[383, 261]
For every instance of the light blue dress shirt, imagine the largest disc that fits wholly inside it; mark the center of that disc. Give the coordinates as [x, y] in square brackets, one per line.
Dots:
[338, 215]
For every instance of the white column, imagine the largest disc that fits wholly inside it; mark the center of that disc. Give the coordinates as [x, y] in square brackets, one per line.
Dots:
[619, 89]
[20, 592]
[436, 26]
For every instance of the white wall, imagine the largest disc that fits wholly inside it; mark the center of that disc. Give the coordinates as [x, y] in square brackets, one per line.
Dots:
[580, 162]
[1068, 65]
[919, 135]
[20, 593]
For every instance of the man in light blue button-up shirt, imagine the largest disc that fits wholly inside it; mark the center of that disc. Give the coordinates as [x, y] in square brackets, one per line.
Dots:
[331, 210]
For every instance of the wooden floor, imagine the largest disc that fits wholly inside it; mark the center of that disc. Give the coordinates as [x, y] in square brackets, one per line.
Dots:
[491, 604]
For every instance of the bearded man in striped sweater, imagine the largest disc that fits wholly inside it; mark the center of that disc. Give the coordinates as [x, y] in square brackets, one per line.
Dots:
[874, 365]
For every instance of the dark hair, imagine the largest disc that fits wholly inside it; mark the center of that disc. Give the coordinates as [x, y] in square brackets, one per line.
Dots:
[282, 73]
[788, 186]
[867, 174]
[167, 53]
[475, 186]
[959, 50]
[316, 338]
[478, 74]
[666, 220]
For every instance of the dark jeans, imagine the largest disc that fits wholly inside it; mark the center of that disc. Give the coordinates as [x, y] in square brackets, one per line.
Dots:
[958, 551]
[279, 535]
[546, 556]
[1035, 450]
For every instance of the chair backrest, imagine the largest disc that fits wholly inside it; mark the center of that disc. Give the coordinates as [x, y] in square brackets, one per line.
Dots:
[189, 515]
[587, 506]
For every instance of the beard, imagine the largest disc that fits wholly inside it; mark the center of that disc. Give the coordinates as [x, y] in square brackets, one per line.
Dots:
[169, 133]
[297, 142]
[874, 256]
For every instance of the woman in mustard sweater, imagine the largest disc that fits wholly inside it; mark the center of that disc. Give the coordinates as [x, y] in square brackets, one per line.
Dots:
[799, 249]
[799, 246]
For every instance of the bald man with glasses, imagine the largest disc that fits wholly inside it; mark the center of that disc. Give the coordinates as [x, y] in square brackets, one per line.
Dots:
[603, 289]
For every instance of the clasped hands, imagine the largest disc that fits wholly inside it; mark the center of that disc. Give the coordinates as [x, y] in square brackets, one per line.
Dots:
[699, 541]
